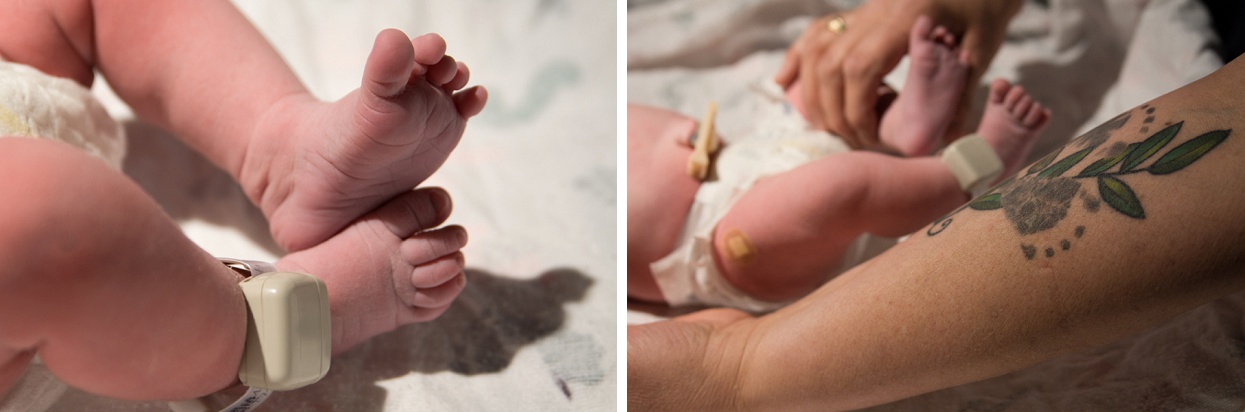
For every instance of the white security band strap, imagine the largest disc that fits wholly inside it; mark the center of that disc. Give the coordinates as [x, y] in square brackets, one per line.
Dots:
[254, 396]
[973, 163]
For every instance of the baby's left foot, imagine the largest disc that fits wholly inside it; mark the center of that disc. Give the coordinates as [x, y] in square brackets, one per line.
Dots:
[315, 167]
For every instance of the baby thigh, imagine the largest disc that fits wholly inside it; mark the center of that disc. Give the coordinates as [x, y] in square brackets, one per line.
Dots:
[659, 192]
[789, 231]
[104, 286]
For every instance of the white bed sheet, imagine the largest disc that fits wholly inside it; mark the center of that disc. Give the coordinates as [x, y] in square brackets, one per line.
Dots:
[1087, 60]
[533, 181]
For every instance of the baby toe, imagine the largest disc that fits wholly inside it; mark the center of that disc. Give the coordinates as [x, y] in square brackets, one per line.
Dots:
[437, 272]
[471, 102]
[460, 78]
[1013, 97]
[1022, 107]
[998, 90]
[441, 295]
[443, 71]
[415, 211]
[431, 245]
[429, 48]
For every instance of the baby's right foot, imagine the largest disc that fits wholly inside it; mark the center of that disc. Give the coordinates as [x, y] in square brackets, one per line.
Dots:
[921, 113]
[1011, 123]
[314, 167]
[389, 268]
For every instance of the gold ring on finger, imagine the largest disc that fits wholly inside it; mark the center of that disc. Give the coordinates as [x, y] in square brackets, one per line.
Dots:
[836, 24]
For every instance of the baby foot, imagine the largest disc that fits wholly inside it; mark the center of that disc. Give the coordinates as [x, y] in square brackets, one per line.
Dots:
[1011, 123]
[315, 167]
[922, 112]
[389, 268]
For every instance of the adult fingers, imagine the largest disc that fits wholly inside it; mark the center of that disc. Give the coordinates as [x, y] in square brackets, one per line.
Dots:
[791, 60]
[873, 57]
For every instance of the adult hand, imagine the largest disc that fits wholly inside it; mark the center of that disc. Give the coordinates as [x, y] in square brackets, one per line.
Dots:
[688, 363]
[841, 71]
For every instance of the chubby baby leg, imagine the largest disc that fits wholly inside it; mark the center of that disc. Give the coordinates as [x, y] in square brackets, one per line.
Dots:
[102, 284]
[659, 191]
[789, 231]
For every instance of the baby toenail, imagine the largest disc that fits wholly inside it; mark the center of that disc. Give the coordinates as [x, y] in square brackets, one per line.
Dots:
[442, 200]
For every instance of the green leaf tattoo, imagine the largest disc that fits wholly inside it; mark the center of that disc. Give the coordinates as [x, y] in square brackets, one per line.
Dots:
[1187, 153]
[1042, 163]
[1150, 146]
[1120, 197]
[1061, 166]
[1104, 164]
[988, 202]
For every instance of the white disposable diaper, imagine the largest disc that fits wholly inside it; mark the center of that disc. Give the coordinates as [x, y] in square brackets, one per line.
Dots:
[34, 104]
[689, 276]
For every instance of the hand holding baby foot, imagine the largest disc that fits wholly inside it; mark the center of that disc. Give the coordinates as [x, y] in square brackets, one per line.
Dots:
[314, 167]
[389, 268]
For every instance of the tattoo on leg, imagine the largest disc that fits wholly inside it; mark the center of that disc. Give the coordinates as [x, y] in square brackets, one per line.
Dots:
[1039, 200]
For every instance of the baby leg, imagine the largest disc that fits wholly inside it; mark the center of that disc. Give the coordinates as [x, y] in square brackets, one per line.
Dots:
[789, 231]
[102, 284]
[659, 191]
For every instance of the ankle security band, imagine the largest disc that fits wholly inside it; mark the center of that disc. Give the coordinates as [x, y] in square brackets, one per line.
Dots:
[973, 163]
[288, 336]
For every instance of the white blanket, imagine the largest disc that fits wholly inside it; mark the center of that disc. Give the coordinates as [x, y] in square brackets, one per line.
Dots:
[533, 181]
[1087, 60]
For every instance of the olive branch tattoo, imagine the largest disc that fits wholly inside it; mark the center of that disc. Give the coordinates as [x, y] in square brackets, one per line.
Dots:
[1046, 193]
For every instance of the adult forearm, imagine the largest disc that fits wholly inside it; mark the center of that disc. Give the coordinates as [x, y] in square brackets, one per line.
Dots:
[1124, 228]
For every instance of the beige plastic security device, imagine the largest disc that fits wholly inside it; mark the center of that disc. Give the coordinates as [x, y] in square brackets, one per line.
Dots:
[973, 163]
[288, 337]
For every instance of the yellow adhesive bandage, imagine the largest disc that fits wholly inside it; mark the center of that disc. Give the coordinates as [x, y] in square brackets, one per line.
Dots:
[739, 248]
[706, 144]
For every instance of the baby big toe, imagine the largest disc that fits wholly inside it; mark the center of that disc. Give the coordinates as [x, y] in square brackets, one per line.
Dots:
[415, 211]
[389, 65]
